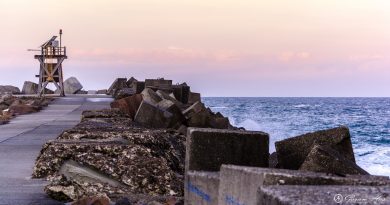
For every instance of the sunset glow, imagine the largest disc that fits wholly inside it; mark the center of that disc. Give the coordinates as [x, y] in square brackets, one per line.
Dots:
[220, 47]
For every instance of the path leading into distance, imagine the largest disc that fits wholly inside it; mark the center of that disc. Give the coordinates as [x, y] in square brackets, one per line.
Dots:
[21, 141]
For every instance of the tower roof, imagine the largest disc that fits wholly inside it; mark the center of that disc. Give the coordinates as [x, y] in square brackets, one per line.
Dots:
[49, 42]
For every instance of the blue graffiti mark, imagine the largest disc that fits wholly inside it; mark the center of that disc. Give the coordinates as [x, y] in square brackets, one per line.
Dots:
[198, 192]
[232, 201]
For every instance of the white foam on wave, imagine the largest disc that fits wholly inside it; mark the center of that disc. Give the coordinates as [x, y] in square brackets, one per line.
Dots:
[249, 124]
[301, 106]
[218, 107]
[374, 159]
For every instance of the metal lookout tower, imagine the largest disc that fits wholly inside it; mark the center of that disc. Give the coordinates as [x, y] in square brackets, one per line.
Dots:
[51, 58]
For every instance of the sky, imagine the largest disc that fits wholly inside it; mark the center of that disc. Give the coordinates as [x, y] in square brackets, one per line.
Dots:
[313, 48]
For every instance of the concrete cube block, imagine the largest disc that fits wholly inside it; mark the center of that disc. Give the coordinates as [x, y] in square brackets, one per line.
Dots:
[116, 85]
[202, 188]
[325, 159]
[150, 96]
[207, 149]
[322, 195]
[239, 184]
[292, 152]
[149, 115]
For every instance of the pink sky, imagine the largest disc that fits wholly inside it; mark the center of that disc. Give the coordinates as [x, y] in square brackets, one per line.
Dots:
[219, 47]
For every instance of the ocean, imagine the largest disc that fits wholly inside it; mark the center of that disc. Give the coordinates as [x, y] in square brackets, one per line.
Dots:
[367, 118]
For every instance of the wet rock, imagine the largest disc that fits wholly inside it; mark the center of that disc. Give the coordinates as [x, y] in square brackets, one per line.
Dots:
[4, 89]
[150, 96]
[149, 115]
[118, 84]
[72, 86]
[128, 105]
[325, 159]
[292, 152]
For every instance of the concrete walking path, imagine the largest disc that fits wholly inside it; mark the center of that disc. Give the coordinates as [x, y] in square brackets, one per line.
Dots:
[21, 141]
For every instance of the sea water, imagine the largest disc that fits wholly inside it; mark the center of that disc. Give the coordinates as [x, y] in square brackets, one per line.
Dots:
[367, 118]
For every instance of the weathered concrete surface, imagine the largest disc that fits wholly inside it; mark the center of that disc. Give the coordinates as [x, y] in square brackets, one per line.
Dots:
[240, 184]
[202, 188]
[322, 195]
[72, 86]
[22, 139]
[325, 159]
[208, 149]
[292, 152]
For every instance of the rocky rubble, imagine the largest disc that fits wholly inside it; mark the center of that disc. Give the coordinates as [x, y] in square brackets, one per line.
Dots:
[141, 161]
[136, 149]
[11, 106]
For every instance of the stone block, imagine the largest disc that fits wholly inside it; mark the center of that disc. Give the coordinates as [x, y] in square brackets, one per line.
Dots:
[323, 195]
[166, 96]
[202, 188]
[193, 98]
[124, 92]
[72, 85]
[181, 92]
[325, 159]
[193, 109]
[289, 157]
[9, 89]
[240, 184]
[150, 96]
[130, 81]
[177, 116]
[31, 88]
[117, 85]
[158, 84]
[128, 105]
[138, 86]
[207, 149]
[149, 115]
